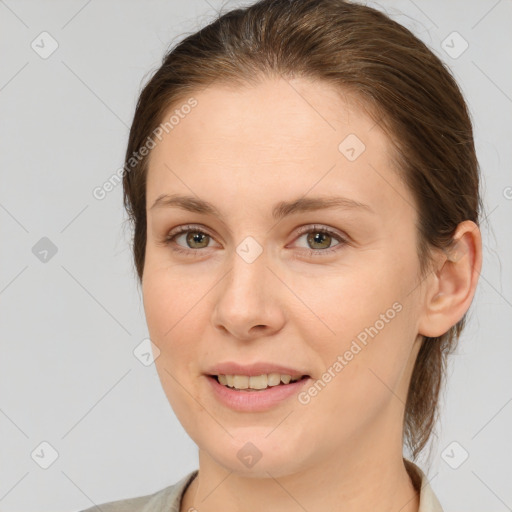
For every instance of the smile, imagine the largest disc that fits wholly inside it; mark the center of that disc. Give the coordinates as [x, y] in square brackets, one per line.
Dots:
[248, 399]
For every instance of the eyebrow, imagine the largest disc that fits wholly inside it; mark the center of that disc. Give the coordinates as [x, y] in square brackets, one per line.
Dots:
[280, 210]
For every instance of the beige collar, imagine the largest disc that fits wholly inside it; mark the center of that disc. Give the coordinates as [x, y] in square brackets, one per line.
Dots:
[428, 500]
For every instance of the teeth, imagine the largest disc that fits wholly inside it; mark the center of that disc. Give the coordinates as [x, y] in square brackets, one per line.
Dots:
[255, 382]
[273, 379]
[240, 381]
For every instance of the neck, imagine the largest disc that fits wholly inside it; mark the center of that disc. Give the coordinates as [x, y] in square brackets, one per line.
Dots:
[350, 481]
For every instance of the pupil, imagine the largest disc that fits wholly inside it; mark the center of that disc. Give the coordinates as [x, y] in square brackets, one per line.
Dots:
[196, 237]
[318, 238]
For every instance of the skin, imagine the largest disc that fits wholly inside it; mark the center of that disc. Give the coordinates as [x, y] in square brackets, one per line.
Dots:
[245, 149]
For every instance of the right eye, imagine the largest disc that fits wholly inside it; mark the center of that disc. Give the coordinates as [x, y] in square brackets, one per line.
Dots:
[192, 235]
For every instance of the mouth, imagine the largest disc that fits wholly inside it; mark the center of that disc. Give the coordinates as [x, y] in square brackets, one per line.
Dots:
[246, 383]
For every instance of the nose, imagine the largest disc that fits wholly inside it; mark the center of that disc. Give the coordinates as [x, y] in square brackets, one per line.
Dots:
[249, 302]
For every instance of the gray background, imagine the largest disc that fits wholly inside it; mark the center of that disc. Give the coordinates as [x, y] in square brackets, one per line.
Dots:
[70, 324]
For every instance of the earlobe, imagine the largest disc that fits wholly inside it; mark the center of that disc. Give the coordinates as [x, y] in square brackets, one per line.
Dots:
[454, 284]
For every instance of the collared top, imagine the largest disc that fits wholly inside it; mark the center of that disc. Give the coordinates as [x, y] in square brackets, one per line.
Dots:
[169, 498]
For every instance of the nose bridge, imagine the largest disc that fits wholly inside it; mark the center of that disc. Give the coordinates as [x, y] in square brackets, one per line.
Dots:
[246, 297]
[245, 283]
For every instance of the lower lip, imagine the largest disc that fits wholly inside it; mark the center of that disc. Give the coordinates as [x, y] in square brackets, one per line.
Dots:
[255, 401]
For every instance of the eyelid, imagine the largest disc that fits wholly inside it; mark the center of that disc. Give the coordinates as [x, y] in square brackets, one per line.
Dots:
[306, 228]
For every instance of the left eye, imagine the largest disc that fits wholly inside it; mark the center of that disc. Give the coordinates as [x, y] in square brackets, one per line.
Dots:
[320, 239]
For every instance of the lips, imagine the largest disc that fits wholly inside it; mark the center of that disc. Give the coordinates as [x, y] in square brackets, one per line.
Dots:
[254, 400]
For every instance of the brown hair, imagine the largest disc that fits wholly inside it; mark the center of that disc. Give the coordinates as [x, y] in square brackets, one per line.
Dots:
[401, 83]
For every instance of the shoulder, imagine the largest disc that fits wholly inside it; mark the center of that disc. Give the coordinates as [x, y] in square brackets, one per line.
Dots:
[167, 499]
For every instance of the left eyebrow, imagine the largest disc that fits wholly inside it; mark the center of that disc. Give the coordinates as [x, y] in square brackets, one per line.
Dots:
[305, 204]
[279, 211]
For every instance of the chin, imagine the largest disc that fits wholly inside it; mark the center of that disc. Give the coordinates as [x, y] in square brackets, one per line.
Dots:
[255, 454]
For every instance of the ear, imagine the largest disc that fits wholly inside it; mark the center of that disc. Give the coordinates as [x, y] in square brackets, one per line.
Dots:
[452, 285]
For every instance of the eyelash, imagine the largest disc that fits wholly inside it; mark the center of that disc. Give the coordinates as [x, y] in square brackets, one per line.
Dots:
[169, 239]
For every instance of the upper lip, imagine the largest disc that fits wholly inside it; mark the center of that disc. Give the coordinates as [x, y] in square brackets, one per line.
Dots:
[252, 370]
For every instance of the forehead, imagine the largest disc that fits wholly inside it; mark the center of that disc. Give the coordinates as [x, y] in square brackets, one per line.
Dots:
[279, 137]
[272, 112]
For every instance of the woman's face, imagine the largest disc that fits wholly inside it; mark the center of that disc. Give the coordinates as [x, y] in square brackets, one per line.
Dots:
[276, 280]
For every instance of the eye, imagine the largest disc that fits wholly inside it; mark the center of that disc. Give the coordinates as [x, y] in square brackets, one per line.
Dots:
[319, 240]
[193, 237]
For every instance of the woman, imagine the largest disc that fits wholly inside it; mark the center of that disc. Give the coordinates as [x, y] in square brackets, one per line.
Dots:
[304, 190]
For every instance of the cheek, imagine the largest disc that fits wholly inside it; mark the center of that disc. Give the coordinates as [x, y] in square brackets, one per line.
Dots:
[174, 326]
[362, 332]
[168, 301]
[365, 332]
[361, 380]
[172, 320]
[338, 305]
